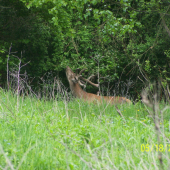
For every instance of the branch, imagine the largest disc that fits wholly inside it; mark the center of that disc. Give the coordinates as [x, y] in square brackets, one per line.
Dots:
[164, 24]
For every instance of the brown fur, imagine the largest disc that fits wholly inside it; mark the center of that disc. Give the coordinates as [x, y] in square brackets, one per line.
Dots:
[89, 97]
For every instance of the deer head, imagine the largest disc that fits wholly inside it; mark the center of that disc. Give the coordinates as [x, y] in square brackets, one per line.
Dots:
[76, 78]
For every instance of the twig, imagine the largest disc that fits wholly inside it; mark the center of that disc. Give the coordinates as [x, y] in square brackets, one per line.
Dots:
[7, 107]
[8, 65]
[120, 113]
[155, 107]
[6, 158]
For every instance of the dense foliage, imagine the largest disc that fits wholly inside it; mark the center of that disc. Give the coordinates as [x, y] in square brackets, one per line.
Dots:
[126, 40]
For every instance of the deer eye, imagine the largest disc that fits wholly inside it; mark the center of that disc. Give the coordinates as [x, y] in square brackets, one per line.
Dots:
[74, 80]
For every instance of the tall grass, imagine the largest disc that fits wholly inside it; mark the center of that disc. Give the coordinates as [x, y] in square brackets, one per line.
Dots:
[58, 134]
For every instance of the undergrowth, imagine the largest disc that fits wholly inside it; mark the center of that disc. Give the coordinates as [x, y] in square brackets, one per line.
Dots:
[40, 134]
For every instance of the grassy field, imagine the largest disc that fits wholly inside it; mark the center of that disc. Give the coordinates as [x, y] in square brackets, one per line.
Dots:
[59, 135]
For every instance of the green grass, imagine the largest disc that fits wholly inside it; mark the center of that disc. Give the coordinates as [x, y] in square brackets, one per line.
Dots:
[38, 134]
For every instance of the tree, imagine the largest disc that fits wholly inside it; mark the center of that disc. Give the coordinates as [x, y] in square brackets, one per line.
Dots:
[122, 39]
[28, 33]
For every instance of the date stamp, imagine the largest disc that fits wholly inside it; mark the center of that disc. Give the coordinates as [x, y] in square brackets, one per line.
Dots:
[155, 147]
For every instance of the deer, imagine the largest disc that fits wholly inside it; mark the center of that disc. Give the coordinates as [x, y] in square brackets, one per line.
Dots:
[75, 86]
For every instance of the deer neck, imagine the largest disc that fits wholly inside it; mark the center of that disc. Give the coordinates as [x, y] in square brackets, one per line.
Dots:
[77, 90]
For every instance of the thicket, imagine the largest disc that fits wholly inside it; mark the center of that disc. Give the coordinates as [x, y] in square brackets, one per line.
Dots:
[126, 41]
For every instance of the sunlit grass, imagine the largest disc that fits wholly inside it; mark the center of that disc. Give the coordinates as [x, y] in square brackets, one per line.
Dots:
[75, 135]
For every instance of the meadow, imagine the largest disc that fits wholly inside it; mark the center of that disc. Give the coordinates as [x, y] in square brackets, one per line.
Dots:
[60, 134]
